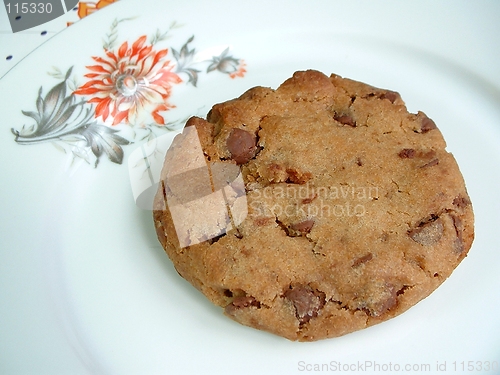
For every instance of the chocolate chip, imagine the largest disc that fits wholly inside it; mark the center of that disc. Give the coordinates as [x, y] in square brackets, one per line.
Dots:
[303, 227]
[241, 145]
[345, 120]
[361, 260]
[387, 303]
[376, 297]
[390, 95]
[307, 302]
[263, 221]
[407, 153]
[458, 245]
[432, 163]
[459, 227]
[461, 202]
[427, 125]
[309, 199]
[427, 233]
[389, 299]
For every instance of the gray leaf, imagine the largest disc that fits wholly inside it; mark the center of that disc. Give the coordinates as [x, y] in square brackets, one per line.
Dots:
[39, 101]
[213, 66]
[68, 73]
[33, 115]
[103, 139]
[59, 120]
[53, 99]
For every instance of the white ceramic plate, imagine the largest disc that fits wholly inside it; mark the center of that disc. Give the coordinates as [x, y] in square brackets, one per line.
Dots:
[84, 285]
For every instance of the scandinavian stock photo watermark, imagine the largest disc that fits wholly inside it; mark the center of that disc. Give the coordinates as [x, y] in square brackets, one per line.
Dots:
[206, 199]
[314, 201]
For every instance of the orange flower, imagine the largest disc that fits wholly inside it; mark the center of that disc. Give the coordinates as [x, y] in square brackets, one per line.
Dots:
[130, 82]
[240, 72]
[86, 7]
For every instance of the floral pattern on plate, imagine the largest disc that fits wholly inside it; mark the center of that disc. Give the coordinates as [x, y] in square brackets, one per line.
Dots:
[86, 8]
[129, 85]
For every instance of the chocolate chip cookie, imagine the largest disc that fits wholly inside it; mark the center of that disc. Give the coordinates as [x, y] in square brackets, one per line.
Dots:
[313, 210]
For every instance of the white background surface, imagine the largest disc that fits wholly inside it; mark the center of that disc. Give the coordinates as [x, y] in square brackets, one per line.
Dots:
[85, 287]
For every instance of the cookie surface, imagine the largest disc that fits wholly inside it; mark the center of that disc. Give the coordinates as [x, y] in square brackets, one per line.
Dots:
[313, 210]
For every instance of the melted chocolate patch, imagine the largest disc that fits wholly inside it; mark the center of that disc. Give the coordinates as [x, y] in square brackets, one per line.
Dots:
[303, 227]
[307, 301]
[427, 233]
